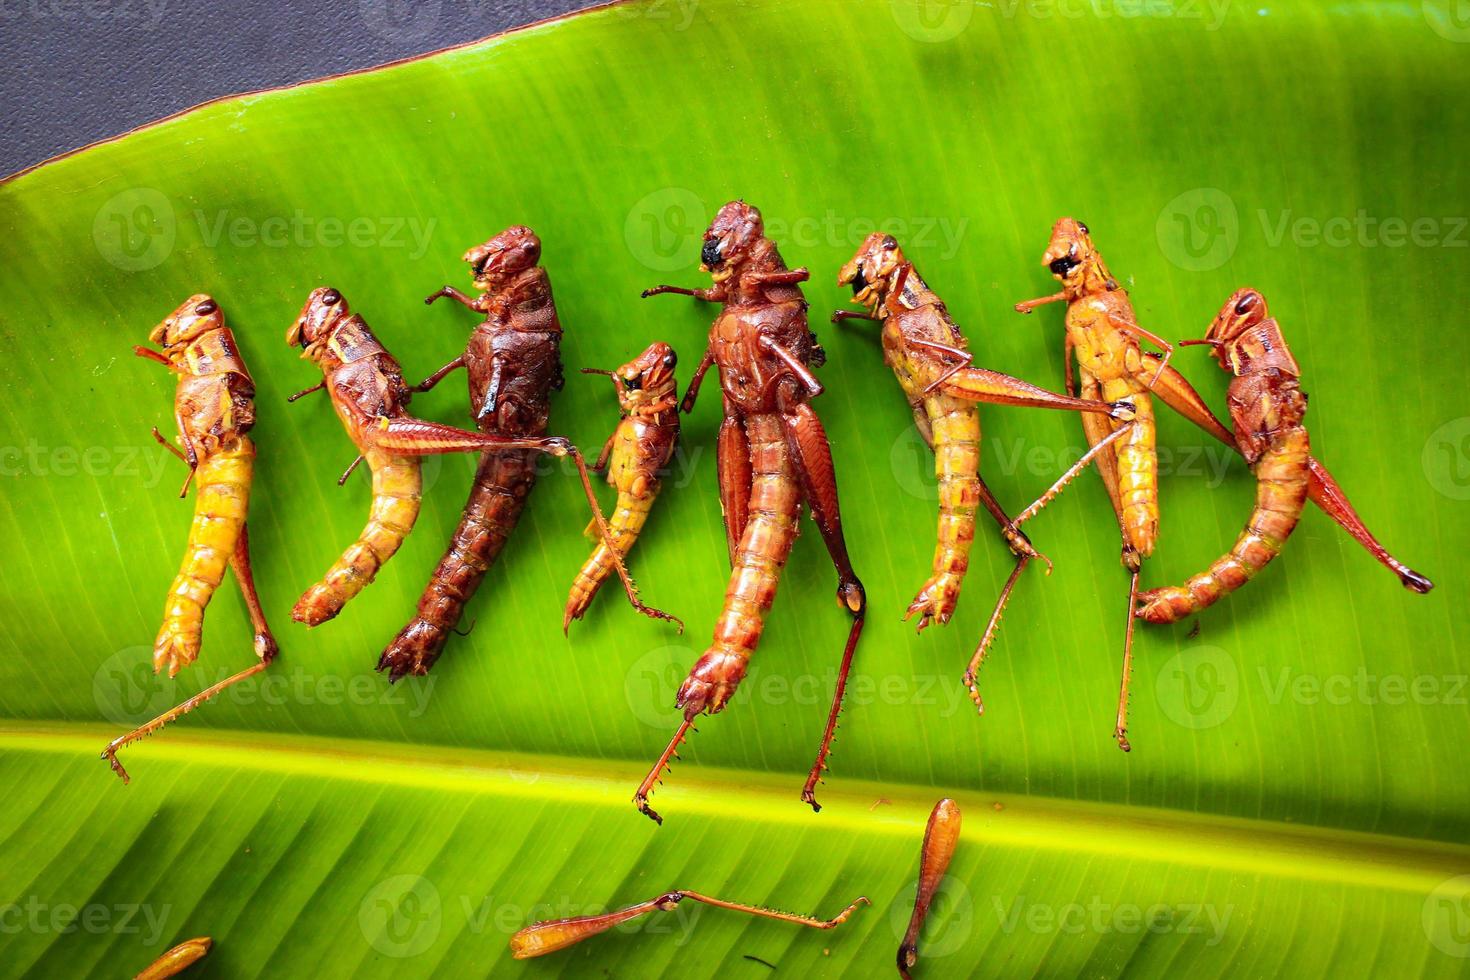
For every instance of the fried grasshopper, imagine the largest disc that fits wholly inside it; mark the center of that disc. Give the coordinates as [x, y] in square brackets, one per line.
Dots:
[634, 456]
[1267, 406]
[932, 361]
[214, 408]
[513, 364]
[1104, 334]
[367, 390]
[773, 458]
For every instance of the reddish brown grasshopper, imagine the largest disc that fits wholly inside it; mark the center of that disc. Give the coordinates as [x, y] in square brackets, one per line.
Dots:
[214, 407]
[773, 458]
[513, 362]
[1104, 333]
[1267, 406]
[931, 360]
[542, 938]
[634, 456]
[367, 390]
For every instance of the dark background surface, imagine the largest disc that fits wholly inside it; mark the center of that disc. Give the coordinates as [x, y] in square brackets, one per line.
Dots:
[76, 71]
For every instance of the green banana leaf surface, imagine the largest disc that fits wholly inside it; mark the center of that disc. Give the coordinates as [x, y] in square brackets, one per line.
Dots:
[1295, 801]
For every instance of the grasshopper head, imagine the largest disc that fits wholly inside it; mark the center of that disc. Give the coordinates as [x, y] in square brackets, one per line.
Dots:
[194, 317]
[1246, 308]
[324, 308]
[870, 271]
[1074, 261]
[648, 378]
[731, 238]
[503, 257]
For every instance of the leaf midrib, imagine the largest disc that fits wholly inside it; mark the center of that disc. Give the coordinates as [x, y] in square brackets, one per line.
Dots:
[1270, 848]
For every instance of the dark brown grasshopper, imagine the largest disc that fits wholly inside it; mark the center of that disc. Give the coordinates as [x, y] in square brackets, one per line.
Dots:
[513, 361]
[773, 458]
[366, 386]
[214, 407]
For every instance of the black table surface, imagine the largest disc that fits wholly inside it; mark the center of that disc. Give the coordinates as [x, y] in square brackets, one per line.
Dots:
[76, 71]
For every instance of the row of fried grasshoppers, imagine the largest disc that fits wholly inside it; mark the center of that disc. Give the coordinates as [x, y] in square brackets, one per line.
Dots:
[773, 454]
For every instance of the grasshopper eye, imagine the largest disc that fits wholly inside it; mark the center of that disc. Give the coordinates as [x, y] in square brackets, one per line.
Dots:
[670, 360]
[331, 297]
[205, 308]
[1063, 265]
[711, 254]
[1246, 304]
[1083, 228]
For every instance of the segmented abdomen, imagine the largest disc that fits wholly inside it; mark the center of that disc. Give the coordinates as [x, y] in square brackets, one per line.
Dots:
[502, 483]
[222, 482]
[397, 489]
[624, 526]
[956, 428]
[1281, 492]
[1138, 467]
[770, 531]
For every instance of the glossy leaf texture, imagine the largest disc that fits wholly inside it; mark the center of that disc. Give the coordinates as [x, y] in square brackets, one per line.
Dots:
[1295, 799]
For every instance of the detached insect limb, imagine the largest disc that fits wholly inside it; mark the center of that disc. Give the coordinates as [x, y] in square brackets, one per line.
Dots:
[176, 960]
[558, 934]
[941, 835]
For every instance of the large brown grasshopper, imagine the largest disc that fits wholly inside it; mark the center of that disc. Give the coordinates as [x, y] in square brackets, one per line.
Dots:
[773, 458]
[367, 390]
[513, 362]
[214, 407]
[1104, 334]
[931, 359]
